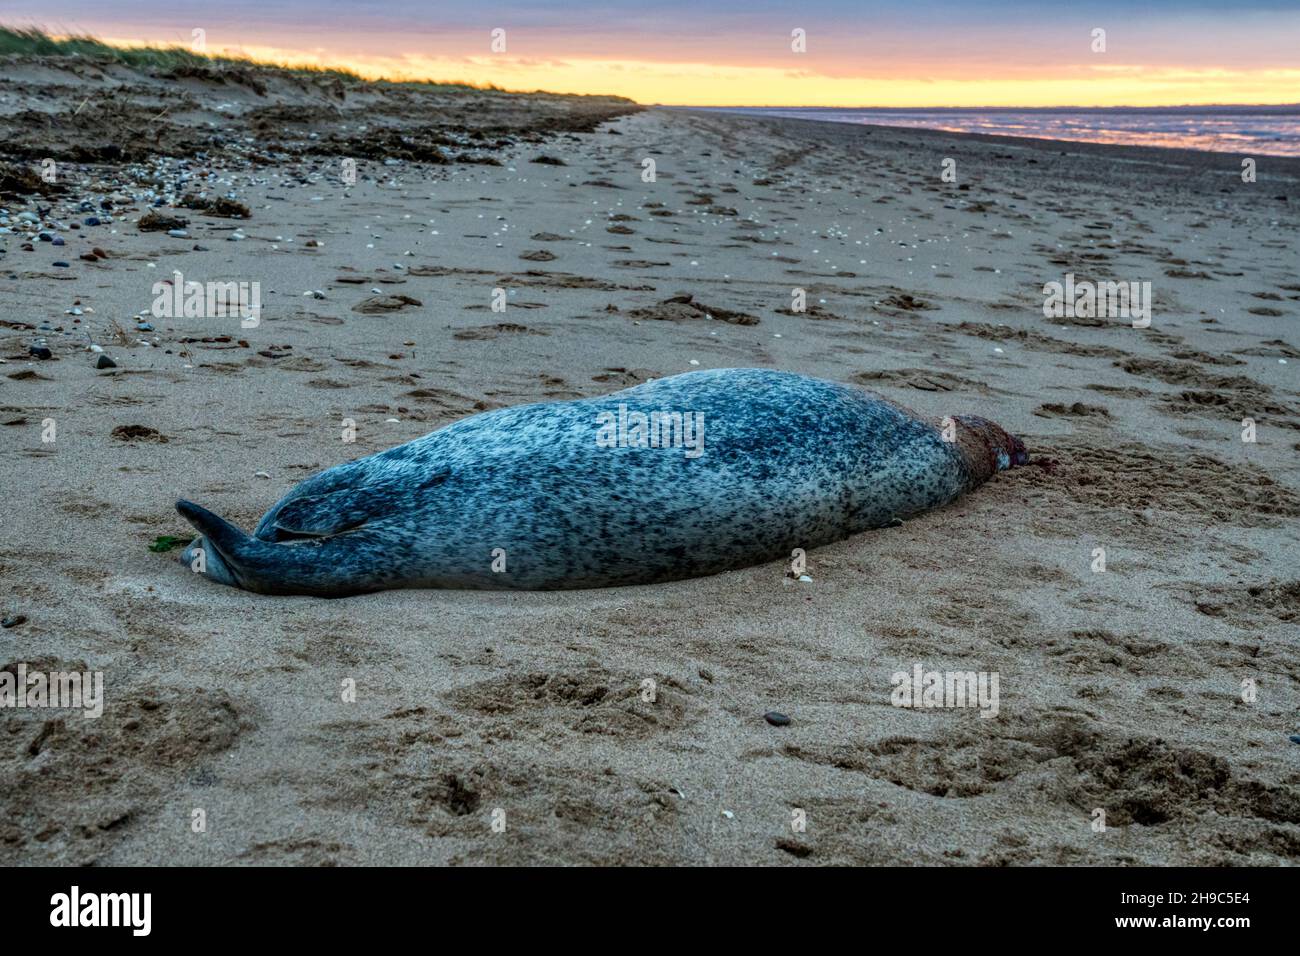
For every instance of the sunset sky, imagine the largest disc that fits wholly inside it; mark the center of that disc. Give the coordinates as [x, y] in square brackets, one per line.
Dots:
[859, 52]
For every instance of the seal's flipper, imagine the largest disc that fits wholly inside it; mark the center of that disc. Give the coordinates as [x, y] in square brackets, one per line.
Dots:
[224, 536]
[263, 566]
[320, 516]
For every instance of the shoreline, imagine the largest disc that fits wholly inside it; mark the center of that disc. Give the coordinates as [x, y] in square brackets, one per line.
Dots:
[1159, 155]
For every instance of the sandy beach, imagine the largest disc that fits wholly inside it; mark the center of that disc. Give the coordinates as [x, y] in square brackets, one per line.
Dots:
[511, 728]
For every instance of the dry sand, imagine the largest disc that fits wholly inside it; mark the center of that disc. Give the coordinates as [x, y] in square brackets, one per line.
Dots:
[1120, 690]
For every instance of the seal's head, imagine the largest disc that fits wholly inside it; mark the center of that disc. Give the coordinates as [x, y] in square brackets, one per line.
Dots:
[987, 448]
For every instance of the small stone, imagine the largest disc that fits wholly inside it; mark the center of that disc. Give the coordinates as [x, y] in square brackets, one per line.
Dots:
[13, 620]
[776, 719]
[105, 362]
[41, 352]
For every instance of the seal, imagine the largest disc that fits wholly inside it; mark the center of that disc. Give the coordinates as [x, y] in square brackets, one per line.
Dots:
[676, 478]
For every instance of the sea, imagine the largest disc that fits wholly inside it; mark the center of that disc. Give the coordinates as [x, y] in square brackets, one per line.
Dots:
[1247, 130]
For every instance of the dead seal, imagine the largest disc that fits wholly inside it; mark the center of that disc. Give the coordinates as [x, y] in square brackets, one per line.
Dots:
[676, 478]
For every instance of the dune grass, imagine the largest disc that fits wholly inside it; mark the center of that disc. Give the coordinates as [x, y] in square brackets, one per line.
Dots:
[34, 41]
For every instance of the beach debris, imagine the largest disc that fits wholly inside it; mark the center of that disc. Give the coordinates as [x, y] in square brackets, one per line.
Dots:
[379, 304]
[222, 207]
[776, 718]
[154, 221]
[907, 302]
[16, 180]
[13, 620]
[138, 433]
[105, 362]
[169, 542]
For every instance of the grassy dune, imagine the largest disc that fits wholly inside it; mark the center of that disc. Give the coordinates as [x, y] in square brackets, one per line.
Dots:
[180, 60]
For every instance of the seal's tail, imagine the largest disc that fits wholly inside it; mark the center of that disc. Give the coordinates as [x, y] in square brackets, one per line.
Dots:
[223, 535]
[232, 557]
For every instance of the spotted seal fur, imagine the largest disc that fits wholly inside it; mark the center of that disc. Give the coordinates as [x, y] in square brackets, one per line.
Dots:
[575, 494]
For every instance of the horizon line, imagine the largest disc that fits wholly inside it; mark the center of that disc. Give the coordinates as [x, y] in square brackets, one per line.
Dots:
[1023, 109]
